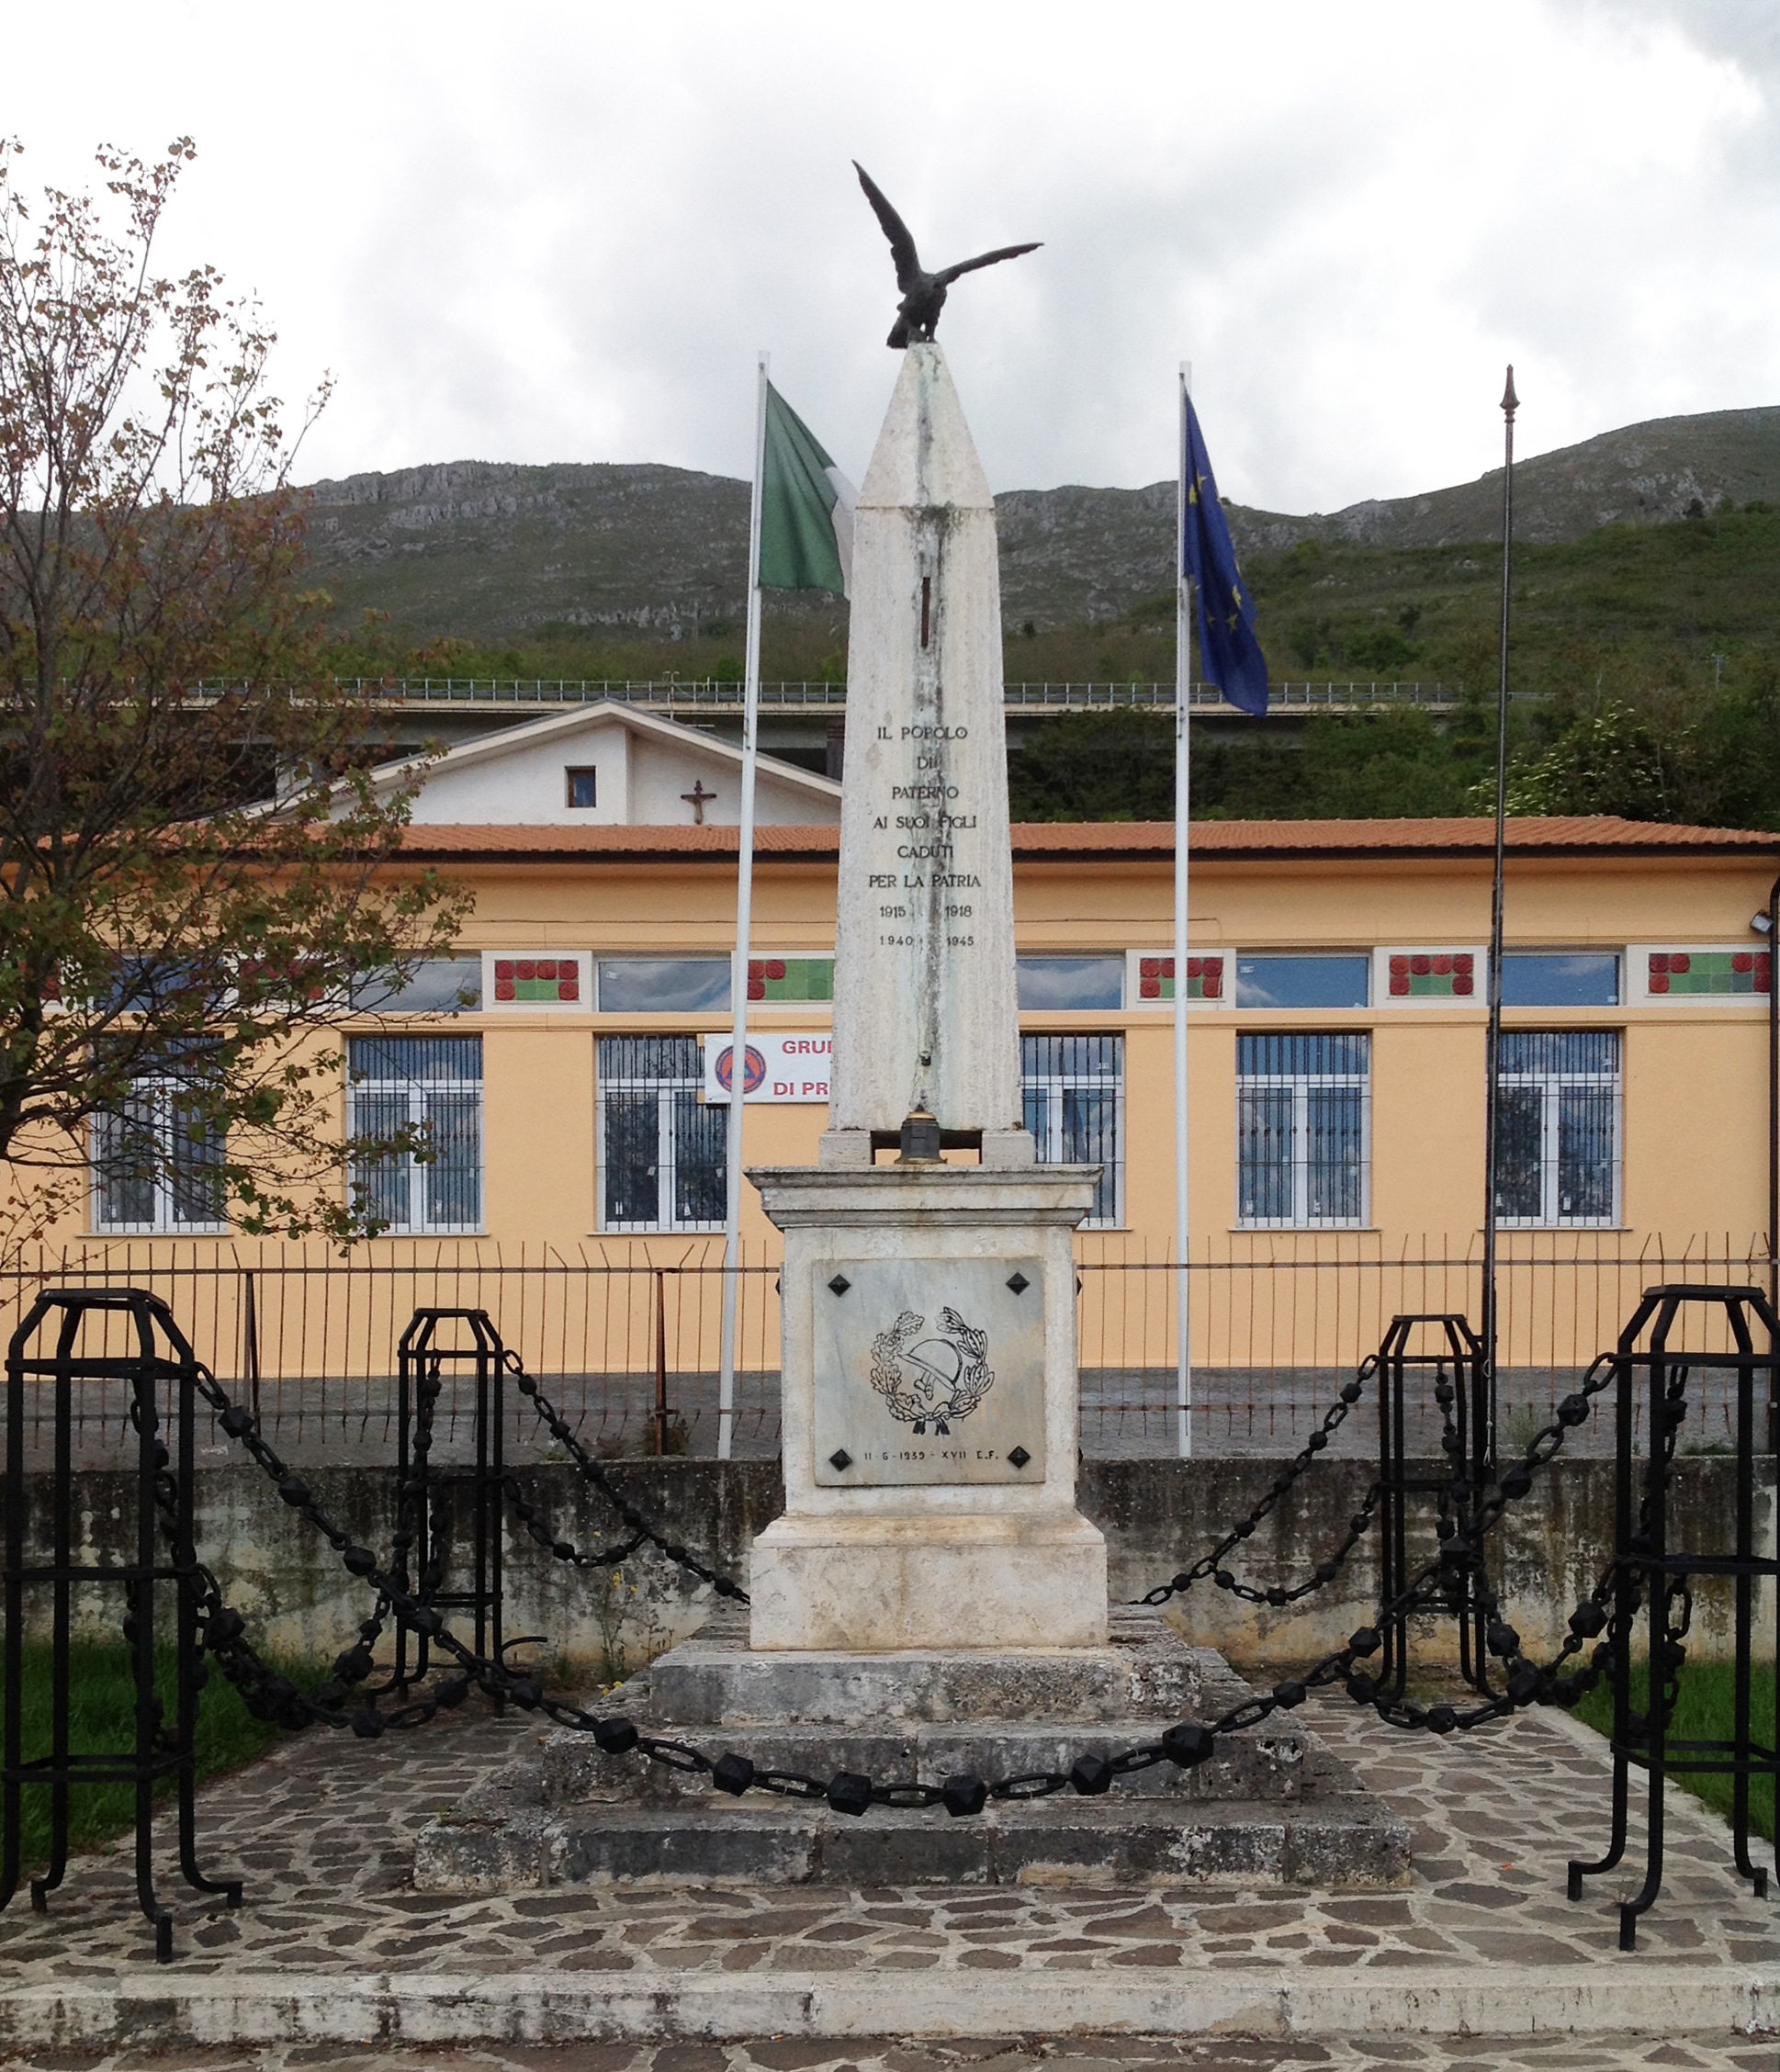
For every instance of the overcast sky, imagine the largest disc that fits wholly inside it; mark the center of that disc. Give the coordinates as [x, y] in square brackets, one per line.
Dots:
[559, 232]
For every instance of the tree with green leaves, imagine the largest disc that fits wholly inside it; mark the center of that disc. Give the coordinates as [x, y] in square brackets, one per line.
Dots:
[172, 955]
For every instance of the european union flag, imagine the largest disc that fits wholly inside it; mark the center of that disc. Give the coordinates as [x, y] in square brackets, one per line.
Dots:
[1230, 655]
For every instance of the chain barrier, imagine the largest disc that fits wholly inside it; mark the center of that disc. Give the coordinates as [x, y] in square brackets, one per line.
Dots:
[1639, 1573]
[1326, 1571]
[1185, 1745]
[590, 1470]
[222, 1630]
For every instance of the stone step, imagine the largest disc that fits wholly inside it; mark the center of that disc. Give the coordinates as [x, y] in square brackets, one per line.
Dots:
[1274, 1764]
[1594, 2015]
[1346, 1839]
[1144, 1672]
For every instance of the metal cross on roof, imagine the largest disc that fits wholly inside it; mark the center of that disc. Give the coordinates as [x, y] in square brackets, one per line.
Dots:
[698, 798]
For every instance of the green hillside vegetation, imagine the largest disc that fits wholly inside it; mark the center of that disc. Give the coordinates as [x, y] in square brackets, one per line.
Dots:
[1651, 654]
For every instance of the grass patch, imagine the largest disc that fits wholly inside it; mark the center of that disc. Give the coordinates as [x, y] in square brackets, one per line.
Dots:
[102, 1720]
[1703, 1712]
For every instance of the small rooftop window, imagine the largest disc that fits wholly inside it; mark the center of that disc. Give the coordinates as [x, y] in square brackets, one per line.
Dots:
[583, 786]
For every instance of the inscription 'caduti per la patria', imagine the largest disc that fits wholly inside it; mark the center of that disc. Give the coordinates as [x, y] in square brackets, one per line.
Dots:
[926, 834]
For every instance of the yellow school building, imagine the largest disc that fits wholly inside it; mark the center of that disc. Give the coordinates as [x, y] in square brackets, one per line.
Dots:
[572, 1059]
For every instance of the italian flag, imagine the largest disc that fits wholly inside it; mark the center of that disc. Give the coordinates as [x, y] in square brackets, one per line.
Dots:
[807, 508]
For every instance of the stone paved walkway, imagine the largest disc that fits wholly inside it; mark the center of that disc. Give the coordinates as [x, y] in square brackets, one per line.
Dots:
[1077, 2054]
[993, 2054]
[321, 1830]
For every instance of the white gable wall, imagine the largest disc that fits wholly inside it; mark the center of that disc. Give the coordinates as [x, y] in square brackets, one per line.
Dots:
[662, 771]
[526, 784]
[642, 775]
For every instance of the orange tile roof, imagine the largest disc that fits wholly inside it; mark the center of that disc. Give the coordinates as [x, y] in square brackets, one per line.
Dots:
[1113, 841]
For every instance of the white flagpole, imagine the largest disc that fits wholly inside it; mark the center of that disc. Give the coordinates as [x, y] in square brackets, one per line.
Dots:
[1183, 790]
[739, 962]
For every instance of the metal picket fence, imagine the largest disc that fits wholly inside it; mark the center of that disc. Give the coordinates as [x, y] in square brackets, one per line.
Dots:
[627, 1331]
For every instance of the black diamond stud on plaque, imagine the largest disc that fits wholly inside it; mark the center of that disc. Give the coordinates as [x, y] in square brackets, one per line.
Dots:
[1019, 1283]
[1019, 1456]
[839, 1285]
[839, 1459]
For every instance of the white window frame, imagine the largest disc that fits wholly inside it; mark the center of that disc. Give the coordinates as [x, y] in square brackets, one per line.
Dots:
[668, 1092]
[1552, 1084]
[417, 1088]
[158, 1090]
[1056, 1085]
[1299, 1086]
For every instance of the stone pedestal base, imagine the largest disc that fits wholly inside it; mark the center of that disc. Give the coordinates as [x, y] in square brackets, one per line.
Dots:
[1003, 1580]
[1271, 1808]
[929, 1404]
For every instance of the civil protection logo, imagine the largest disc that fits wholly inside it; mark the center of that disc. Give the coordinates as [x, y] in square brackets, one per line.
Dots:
[930, 1381]
[754, 1075]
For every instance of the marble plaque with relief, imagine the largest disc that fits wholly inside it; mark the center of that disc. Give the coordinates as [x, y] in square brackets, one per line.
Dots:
[928, 1371]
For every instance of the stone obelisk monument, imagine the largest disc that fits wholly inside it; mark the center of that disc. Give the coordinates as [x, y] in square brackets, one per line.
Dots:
[929, 1291]
[924, 918]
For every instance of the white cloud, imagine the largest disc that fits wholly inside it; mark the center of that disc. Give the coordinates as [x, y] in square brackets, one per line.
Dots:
[560, 230]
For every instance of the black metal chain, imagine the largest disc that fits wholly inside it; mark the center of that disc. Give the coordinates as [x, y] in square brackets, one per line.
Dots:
[591, 1472]
[1325, 1571]
[534, 1522]
[1185, 1745]
[276, 1697]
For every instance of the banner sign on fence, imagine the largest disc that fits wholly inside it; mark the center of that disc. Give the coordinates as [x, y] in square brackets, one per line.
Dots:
[779, 1068]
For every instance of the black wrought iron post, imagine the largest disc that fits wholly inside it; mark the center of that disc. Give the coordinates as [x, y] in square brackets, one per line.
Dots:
[160, 1554]
[1651, 1577]
[437, 1507]
[1457, 1361]
[1774, 1140]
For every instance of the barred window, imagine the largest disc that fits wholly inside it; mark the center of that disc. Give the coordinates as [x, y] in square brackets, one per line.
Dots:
[156, 1166]
[429, 1082]
[662, 1154]
[1303, 1113]
[1073, 1090]
[1558, 1126]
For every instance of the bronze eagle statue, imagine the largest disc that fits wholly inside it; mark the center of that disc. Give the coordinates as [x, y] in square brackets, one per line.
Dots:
[923, 294]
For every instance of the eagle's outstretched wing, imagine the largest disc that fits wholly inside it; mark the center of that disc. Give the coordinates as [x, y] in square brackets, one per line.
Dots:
[950, 274]
[902, 246]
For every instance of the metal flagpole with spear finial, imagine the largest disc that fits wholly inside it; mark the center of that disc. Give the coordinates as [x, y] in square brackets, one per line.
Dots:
[1183, 796]
[799, 537]
[1210, 599]
[1493, 1040]
[739, 961]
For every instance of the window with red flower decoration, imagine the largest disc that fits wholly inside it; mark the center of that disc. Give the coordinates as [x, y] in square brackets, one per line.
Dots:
[1204, 978]
[1433, 974]
[1675, 973]
[537, 981]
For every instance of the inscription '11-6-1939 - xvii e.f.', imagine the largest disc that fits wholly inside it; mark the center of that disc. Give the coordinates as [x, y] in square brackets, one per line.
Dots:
[930, 1370]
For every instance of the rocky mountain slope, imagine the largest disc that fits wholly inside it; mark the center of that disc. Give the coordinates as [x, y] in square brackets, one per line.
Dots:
[491, 552]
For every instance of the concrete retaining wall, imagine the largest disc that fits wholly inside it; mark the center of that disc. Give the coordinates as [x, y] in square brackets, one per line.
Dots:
[1159, 1515]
